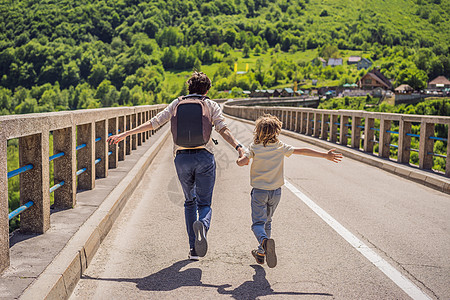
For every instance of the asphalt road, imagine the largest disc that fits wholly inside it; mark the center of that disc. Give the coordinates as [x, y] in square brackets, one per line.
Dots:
[396, 225]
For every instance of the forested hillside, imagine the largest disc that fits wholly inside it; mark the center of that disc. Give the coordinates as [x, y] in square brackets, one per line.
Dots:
[58, 55]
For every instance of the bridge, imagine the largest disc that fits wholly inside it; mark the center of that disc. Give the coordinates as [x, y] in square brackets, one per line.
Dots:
[371, 227]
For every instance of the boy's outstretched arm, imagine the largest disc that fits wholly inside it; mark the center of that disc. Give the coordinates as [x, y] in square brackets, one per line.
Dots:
[330, 155]
[242, 161]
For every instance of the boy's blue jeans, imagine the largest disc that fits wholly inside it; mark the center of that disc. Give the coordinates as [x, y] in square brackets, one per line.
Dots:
[264, 203]
[197, 174]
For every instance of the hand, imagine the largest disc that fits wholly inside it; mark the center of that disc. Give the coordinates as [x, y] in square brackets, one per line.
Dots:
[241, 151]
[114, 139]
[334, 157]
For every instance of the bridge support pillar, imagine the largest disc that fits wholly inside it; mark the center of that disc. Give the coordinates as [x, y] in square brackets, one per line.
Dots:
[101, 149]
[404, 142]
[356, 132]
[325, 126]
[333, 128]
[385, 138]
[4, 223]
[426, 145]
[369, 135]
[343, 131]
[114, 157]
[34, 184]
[65, 167]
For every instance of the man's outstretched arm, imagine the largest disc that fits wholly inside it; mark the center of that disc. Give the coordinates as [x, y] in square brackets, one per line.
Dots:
[228, 136]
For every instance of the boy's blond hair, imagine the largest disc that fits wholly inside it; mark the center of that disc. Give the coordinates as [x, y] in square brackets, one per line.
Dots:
[267, 129]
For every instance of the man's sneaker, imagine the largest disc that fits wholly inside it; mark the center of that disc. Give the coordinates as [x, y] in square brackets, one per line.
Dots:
[269, 248]
[193, 255]
[258, 256]
[201, 245]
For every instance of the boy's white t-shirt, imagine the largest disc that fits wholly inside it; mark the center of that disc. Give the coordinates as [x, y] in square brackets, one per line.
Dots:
[266, 171]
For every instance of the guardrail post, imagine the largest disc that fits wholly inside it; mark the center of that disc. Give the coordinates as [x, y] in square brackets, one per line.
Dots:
[356, 132]
[147, 117]
[343, 131]
[404, 142]
[303, 122]
[426, 145]
[133, 136]
[86, 156]
[324, 129]
[4, 223]
[114, 157]
[333, 128]
[139, 135]
[121, 145]
[317, 124]
[65, 167]
[369, 135]
[34, 184]
[309, 123]
[143, 120]
[128, 138]
[101, 149]
[385, 138]
[447, 160]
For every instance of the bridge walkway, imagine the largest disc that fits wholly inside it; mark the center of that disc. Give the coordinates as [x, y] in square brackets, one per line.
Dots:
[346, 231]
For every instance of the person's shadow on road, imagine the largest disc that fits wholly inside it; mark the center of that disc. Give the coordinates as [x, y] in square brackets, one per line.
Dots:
[172, 278]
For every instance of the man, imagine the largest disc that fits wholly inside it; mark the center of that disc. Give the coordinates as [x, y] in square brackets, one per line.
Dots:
[195, 165]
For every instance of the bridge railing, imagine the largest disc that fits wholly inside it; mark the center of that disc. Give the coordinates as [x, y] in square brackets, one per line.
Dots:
[361, 130]
[81, 154]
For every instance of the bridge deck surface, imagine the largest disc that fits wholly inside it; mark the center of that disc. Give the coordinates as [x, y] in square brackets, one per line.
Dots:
[406, 224]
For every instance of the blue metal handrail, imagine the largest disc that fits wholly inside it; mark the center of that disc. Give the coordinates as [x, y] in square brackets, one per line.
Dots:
[390, 131]
[373, 128]
[20, 210]
[81, 171]
[109, 153]
[438, 155]
[57, 155]
[56, 186]
[80, 147]
[98, 160]
[360, 126]
[413, 135]
[438, 138]
[19, 170]
[98, 139]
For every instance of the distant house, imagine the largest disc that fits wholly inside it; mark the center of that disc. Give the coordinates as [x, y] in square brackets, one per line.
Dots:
[353, 60]
[440, 82]
[314, 82]
[246, 93]
[277, 92]
[403, 89]
[374, 79]
[333, 62]
[287, 92]
[364, 63]
[319, 60]
[270, 93]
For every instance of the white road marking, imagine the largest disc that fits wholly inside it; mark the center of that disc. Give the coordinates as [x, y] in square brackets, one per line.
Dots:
[404, 283]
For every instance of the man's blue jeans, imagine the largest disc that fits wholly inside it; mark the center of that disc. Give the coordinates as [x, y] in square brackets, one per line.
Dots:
[197, 174]
[264, 203]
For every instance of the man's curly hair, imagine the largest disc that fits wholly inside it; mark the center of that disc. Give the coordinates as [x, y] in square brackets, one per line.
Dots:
[267, 129]
[199, 83]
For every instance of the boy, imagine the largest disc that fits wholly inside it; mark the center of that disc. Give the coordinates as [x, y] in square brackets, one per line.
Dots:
[266, 178]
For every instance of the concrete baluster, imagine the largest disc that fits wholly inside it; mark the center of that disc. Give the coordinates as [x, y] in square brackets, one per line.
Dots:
[303, 122]
[139, 122]
[34, 184]
[86, 156]
[404, 142]
[128, 138]
[134, 136]
[298, 115]
[4, 223]
[426, 145]
[65, 167]
[121, 145]
[143, 120]
[101, 149]
[356, 132]
[447, 162]
[385, 138]
[325, 126]
[343, 131]
[113, 159]
[309, 123]
[333, 128]
[147, 117]
[317, 120]
[369, 134]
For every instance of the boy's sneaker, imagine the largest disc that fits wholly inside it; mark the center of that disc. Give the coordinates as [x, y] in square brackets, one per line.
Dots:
[193, 255]
[201, 245]
[269, 248]
[258, 256]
